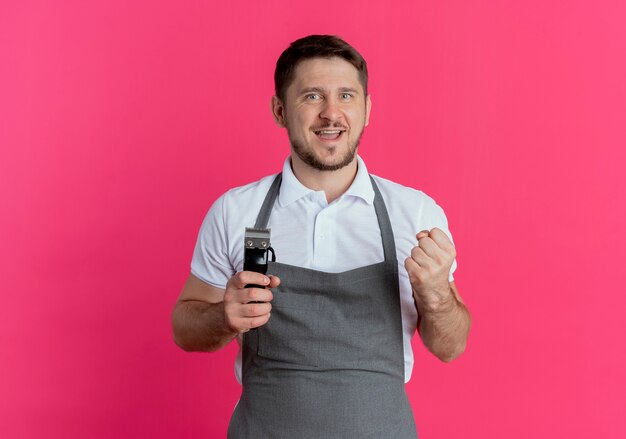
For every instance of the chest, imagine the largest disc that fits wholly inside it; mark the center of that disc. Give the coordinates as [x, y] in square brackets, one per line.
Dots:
[333, 238]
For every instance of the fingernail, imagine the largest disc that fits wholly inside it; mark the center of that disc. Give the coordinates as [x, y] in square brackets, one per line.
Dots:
[266, 280]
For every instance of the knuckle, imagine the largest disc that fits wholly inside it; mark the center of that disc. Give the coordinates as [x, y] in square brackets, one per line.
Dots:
[252, 294]
[247, 277]
[228, 297]
[236, 281]
[253, 310]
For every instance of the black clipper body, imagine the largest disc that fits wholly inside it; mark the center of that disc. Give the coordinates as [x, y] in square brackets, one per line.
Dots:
[256, 251]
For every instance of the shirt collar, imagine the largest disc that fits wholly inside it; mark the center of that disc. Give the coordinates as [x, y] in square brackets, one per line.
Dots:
[292, 190]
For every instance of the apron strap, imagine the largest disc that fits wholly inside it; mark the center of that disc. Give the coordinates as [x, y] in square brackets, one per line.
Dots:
[266, 209]
[386, 232]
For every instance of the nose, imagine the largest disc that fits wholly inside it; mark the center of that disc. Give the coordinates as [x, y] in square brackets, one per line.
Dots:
[331, 111]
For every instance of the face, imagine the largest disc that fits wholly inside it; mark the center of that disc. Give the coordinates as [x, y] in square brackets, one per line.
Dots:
[325, 111]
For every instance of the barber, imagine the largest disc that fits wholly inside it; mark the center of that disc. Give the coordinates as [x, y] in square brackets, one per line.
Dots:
[362, 263]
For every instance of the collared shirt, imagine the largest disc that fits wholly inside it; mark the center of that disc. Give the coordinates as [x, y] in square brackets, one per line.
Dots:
[309, 232]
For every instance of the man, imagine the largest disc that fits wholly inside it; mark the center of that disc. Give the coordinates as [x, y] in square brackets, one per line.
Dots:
[331, 351]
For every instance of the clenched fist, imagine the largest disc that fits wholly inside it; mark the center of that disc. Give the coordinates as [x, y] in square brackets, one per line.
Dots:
[428, 268]
[247, 308]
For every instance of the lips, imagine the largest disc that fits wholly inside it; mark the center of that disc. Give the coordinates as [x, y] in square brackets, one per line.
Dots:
[329, 134]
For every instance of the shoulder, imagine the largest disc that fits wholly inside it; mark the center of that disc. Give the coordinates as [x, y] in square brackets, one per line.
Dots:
[410, 207]
[250, 191]
[242, 200]
[239, 205]
[398, 194]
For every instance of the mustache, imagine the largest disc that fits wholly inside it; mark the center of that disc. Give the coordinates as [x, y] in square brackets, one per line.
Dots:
[330, 125]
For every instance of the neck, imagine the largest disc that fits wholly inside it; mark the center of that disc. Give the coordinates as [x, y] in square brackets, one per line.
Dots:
[333, 183]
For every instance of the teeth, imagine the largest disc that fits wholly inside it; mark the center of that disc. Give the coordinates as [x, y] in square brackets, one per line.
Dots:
[329, 132]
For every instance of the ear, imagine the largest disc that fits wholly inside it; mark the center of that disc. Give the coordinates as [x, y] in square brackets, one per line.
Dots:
[368, 108]
[278, 111]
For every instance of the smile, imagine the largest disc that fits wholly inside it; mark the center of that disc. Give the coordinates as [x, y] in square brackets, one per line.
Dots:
[328, 134]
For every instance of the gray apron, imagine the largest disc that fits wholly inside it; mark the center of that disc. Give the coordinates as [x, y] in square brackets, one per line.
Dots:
[330, 362]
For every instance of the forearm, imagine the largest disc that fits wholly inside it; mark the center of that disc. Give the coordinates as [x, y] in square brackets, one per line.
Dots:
[200, 326]
[444, 330]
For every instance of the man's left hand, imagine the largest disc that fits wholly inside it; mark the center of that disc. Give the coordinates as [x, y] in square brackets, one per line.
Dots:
[429, 268]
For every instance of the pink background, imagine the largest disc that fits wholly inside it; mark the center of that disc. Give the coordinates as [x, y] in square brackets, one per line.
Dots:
[122, 121]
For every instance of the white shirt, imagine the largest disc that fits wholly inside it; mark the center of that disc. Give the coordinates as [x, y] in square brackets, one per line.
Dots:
[308, 232]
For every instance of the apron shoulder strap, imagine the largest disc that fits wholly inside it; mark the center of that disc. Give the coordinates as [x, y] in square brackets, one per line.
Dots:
[384, 223]
[266, 209]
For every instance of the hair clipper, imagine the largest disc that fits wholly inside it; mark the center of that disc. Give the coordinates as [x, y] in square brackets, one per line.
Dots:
[256, 251]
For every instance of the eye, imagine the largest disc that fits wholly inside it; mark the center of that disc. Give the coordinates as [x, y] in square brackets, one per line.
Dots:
[313, 97]
[345, 96]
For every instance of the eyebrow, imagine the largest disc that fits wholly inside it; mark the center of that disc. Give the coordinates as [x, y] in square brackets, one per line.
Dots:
[322, 90]
[348, 90]
[312, 89]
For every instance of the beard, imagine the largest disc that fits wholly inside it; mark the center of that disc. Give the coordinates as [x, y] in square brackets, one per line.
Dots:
[308, 157]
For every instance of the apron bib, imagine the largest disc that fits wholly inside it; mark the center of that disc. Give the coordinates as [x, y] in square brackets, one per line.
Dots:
[330, 361]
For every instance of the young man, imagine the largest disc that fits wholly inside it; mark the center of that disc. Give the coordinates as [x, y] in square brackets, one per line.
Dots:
[362, 263]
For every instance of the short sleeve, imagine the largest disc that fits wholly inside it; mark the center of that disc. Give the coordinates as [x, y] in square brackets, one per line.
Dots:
[433, 216]
[210, 261]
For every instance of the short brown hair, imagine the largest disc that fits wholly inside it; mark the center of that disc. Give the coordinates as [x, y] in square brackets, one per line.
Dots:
[315, 46]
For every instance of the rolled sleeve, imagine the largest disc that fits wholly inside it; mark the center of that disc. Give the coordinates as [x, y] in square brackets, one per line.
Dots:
[210, 261]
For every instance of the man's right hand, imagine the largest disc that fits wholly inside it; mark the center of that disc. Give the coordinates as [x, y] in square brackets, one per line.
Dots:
[242, 309]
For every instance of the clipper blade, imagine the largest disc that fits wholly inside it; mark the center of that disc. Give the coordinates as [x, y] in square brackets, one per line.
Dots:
[257, 238]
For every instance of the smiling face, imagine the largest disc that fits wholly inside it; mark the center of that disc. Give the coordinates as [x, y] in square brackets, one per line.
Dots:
[325, 110]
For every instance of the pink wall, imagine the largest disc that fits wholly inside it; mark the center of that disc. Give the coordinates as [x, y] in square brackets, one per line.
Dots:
[122, 121]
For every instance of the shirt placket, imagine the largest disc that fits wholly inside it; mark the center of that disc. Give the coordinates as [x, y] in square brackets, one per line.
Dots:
[325, 237]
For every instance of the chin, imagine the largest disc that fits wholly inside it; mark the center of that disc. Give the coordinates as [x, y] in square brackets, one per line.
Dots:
[341, 155]
[328, 164]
